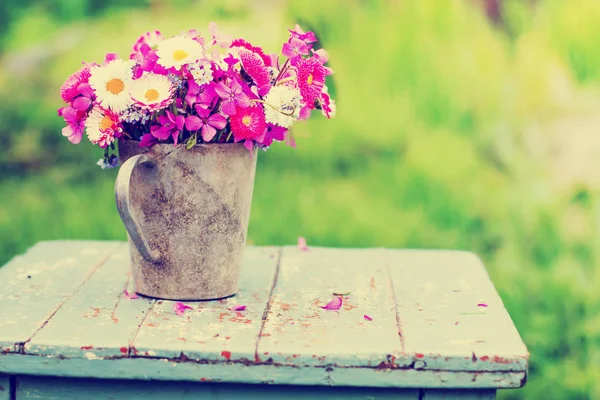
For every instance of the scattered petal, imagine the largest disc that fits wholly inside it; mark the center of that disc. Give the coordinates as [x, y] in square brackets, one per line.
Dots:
[333, 305]
[130, 296]
[302, 244]
[456, 323]
[367, 317]
[238, 308]
[482, 305]
[180, 308]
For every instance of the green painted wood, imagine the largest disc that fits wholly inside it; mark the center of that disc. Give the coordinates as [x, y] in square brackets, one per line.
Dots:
[99, 320]
[78, 324]
[445, 394]
[93, 389]
[443, 327]
[211, 331]
[299, 332]
[4, 387]
[144, 368]
[34, 286]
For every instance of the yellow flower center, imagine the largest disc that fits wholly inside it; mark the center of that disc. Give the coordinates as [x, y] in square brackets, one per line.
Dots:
[247, 120]
[309, 79]
[151, 94]
[105, 123]
[115, 86]
[179, 54]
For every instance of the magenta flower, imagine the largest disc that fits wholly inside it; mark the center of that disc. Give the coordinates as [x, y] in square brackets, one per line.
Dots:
[273, 132]
[233, 96]
[150, 39]
[308, 37]
[294, 49]
[169, 125]
[311, 79]
[209, 124]
[75, 120]
[148, 63]
[147, 140]
[203, 94]
[255, 66]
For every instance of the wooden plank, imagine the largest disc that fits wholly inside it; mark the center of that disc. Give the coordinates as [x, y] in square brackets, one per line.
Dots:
[99, 320]
[438, 293]
[4, 387]
[146, 368]
[211, 331]
[456, 394]
[34, 286]
[299, 332]
[93, 389]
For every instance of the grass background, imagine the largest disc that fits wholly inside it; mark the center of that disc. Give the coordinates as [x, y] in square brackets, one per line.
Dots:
[455, 129]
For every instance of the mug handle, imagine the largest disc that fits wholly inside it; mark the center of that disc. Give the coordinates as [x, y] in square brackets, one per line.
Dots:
[122, 199]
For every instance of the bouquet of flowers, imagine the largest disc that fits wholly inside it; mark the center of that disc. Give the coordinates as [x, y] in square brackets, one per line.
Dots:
[192, 89]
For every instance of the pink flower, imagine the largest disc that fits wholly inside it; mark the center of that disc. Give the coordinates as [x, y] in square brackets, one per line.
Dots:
[327, 104]
[169, 125]
[233, 97]
[84, 101]
[308, 37]
[69, 89]
[148, 63]
[206, 122]
[311, 79]
[255, 67]
[180, 308]
[238, 308]
[334, 304]
[302, 244]
[248, 123]
[203, 94]
[254, 49]
[150, 39]
[75, 120]
[294, 49]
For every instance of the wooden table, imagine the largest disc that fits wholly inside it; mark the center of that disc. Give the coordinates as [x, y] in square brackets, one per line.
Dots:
[67, 331]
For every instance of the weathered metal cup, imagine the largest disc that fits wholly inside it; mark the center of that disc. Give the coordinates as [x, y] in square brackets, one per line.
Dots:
[186, 213]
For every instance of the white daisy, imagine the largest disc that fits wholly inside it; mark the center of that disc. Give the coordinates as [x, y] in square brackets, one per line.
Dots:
[201, 71]
[111, 84]
[152, 92]
[101, 127]
[282, 105]
[177, 51]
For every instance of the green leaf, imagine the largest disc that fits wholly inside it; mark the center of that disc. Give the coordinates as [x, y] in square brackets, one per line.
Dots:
[192, 141]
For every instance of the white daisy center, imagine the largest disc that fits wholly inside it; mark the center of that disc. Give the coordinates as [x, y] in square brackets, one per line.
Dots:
[180, 54]
[151, 94]
[115, 86]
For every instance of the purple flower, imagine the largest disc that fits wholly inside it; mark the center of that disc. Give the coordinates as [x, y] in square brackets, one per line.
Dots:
[232, 96]
[148, 63]
[206, 122]
[203, 94]
[295, 48]
[169, 125]
[273, 132]
[148, 140]
[308, 37]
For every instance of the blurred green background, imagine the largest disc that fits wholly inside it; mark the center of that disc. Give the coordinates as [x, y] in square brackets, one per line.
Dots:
[467, 124]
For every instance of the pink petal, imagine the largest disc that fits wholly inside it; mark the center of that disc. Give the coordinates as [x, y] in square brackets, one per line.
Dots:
[130, 296]
[228, 107]
[217, 120]
[482, 305]
[193, 123]
[302, 244]
[456, 323]
[82, 103]
[222, 90]
[180, 308]
[238, 308]
[367, 317]
[110, 57]
[249, 144]
[208, 132]
[334, 304]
